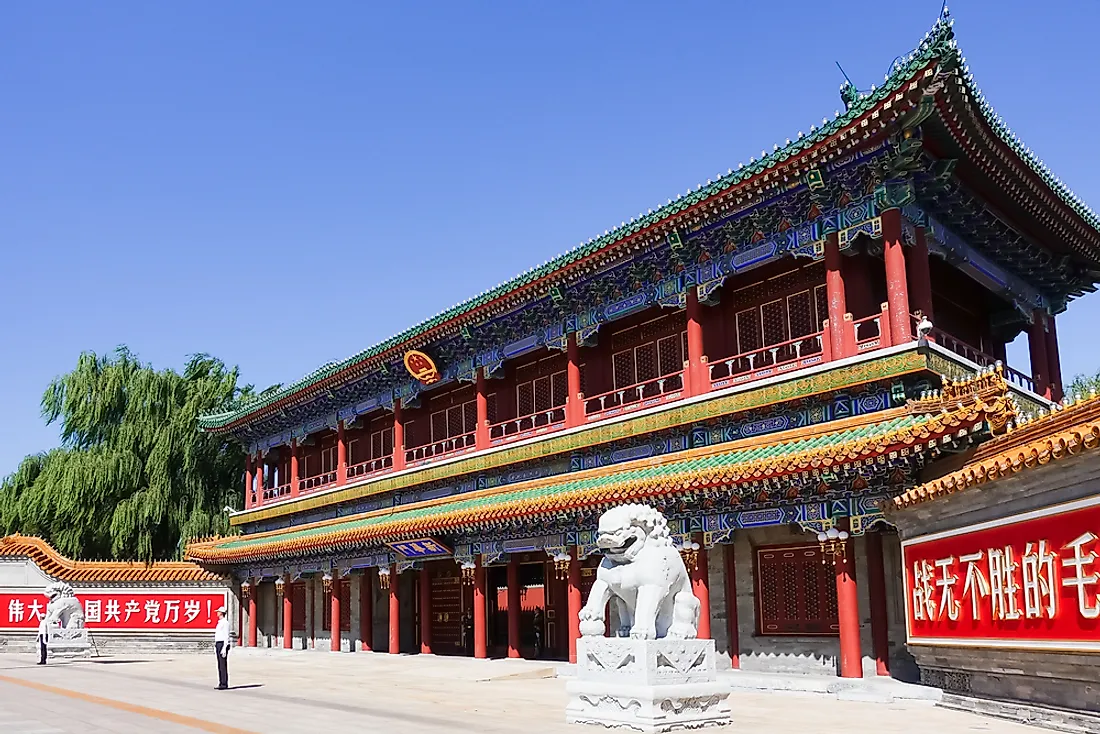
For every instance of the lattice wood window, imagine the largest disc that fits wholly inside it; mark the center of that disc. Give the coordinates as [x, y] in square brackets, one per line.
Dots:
[298, 605]
[381, 443]
[650, 361]
[357, 450]
[454, 421]
[491, 407]
[412, 434]
[778, 321]
[821, 302]
[541, 394]
[795, 592]
[345, 608]
[306, 462]
[328, 460]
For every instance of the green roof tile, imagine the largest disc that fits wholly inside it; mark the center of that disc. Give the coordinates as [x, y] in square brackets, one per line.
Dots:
[671, 469]
[938, 43]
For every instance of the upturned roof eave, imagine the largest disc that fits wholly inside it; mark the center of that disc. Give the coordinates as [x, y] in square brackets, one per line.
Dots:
[981, 400]
[936, 44]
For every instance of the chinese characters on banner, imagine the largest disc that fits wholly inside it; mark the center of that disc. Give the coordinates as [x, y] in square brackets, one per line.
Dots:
[121, 610]
[421, 548]
[1027, 581]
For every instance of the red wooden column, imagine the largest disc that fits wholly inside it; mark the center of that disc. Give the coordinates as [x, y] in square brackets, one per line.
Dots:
[574, 402]
[480, 629]
[847, 604]
[1057, 391]
[334, 612]
[574, 602]
[288, 617]
[697, 377]
[259, 476]
[835, 297]
[366, 611]
[481, 431]
[700, 585]
[897, 287]
[1037, 343]
[920, 279]
[876, 586]
[253, 590]
[294, 467]
[513, 606]
[395, 613]
[398, 437]
[732, 629]
[249, 478]
[425, 611]
[341, 453]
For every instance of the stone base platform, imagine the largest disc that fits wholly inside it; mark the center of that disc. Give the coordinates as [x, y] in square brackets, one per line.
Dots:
[647, 685]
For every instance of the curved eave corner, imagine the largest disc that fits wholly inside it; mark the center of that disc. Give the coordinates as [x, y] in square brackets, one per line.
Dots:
[937, 45]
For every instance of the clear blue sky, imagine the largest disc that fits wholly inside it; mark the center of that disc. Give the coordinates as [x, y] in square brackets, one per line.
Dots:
[281, 184]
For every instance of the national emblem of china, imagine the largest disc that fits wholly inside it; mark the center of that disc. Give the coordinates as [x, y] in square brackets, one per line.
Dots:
[421, 367]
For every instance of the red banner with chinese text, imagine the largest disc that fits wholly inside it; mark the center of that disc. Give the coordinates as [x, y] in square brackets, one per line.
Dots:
[121, 610]
[1026, 581]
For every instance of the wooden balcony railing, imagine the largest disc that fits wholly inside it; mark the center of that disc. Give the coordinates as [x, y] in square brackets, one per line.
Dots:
[274, 493]
[635, 397]
[526, 426]
[369, 467]
[440, 449]
[308, 484]
[860, 336]
[975, 355]
[773, 359]
[868, 332]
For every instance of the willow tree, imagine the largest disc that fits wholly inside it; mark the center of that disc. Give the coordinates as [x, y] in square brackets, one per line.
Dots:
[133, 477]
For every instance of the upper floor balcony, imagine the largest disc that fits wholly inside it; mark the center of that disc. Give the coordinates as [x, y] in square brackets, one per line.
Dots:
[650, 368]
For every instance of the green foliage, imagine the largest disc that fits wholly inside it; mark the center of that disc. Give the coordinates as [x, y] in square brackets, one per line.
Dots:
[134, 478]
[1085, 385]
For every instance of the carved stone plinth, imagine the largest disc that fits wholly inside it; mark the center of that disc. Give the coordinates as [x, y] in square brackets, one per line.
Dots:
[63, 642]
[647, 685]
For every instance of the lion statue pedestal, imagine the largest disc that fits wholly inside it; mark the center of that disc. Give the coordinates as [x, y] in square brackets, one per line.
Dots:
[654, 676]
[66, 634]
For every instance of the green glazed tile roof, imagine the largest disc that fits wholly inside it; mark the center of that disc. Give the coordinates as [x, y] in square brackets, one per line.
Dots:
[938, 43]
[597, 486]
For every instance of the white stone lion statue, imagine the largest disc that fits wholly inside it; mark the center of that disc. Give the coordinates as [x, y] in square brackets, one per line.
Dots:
[643, 574]
[63, 609]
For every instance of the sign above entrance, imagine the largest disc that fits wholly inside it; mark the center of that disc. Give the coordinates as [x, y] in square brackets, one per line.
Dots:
[422, 548]
[421, 367]
[1028, 581]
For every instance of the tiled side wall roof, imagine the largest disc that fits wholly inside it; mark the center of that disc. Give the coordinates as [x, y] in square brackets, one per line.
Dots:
[65, 569]
[1068, 431]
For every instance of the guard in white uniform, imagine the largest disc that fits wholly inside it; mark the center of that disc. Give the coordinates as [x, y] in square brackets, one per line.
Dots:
[221, 649]
[43, 637]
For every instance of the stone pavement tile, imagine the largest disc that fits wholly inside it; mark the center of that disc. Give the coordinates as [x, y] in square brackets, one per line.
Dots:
[288, 692]
[27, 711]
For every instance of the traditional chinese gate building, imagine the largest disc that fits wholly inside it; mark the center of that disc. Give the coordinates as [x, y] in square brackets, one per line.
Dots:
[127, 606]
[762, 358]
[1002, 566]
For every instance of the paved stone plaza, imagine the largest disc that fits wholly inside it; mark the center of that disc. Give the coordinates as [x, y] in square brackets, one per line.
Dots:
[273, 691]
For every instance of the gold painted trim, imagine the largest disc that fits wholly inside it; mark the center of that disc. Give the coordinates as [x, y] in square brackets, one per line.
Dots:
[849, 376]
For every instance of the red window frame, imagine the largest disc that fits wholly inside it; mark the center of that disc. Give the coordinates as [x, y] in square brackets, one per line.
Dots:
[328, 459]
[550, 387]
[297, 593]
[787, 606]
